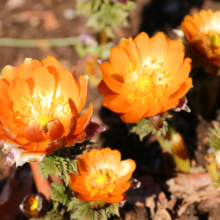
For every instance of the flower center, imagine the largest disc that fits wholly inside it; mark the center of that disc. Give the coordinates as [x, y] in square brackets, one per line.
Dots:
[34, 204]
[42, 109]
[146, 81]
[101, 181]
[214, 42]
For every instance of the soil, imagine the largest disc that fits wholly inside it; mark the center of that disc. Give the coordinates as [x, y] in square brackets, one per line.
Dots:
[160, 196]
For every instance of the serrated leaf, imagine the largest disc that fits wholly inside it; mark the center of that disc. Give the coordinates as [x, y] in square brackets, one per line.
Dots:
[51, 215]
[58, 164]
[80, 210]
[214, 137]
[58, 193]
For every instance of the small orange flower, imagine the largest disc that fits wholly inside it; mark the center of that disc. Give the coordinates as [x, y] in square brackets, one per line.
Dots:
[40, 103]
[102, 176]
[145, 77]
[203, 35]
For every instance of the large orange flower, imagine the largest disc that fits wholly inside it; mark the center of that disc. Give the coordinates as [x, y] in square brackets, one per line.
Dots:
[145, 77]
[102, 176]
[203, 35]
[40, 103]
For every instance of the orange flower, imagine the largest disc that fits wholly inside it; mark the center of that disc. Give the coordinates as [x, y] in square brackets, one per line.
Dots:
[40, 103]
[203, 35]
[145, 77]
[102, 176]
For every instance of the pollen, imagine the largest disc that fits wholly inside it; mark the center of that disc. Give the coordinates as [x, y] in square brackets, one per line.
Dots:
[42, 109]
[146, 81]
[34, 204]
[101, 182]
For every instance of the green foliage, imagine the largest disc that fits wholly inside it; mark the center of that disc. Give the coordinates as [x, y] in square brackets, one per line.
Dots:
[105, 15]
[58, 164]
[214, 137]
[58, 193]
[80, 210]
[144, 128]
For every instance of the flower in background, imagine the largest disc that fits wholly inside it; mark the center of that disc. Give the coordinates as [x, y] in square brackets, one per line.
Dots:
[40, 103]
[203, 35]
[102, 176]
[145, 77]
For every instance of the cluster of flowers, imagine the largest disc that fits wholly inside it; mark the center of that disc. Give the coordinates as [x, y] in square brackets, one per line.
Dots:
[41, 102]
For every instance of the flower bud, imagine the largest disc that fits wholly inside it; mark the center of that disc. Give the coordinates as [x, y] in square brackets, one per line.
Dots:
[34, 206]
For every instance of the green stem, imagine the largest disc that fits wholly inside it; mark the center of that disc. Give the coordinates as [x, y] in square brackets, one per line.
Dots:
[56, 42]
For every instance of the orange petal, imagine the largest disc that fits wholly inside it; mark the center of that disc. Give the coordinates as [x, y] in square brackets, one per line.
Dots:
[126, 167]
[115, 85]
[97, 159]
[158, 47]
[73, 120]
[4, 95]
[143, 41]
[73, 139]
[136, 112]
[85, 166]
[183, 89]
[112, 159]
[120, 60]
[121, 181]
[55, 129]
[115, 199]
[103, 89]
[117, 103]
[83, 92]
[84, 120]
[44, 82]
[9, 73]
[34, 132]
[67, 86]
[25, 69]
[130, 47]
[52, 61]
[168, 104]
[18, 90]
[77, 183]
[107, 69]
[174, 60]
[121, 189]
[153, 109]
[55, 145]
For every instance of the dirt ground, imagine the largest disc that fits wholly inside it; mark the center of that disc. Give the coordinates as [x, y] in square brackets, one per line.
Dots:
[166, 193]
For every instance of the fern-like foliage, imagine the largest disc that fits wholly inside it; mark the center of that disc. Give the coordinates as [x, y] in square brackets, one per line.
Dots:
[58, 193]
[80, 210]
[214, 137]
[58, 165]
[144, 128]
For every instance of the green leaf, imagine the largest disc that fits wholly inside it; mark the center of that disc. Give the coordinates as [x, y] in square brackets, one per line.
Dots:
[58, 193]
[144, 128]
[59, 165]
[214, 137]
[80, 210]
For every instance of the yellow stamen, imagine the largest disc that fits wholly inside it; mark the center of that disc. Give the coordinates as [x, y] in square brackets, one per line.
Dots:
[101, 181]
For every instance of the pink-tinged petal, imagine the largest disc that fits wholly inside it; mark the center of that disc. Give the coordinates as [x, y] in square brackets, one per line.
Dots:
[34, 132]
[55, 129]
[83, 92]
[55, 145]
[84, 120]
[182, 105]
[94, 128]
